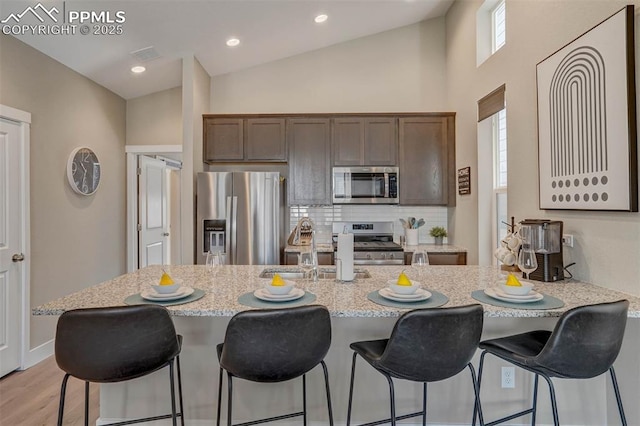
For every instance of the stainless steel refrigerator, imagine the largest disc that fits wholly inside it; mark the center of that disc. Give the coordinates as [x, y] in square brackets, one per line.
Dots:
[241, 214]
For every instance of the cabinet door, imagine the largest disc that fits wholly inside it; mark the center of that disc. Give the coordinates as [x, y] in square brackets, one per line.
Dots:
[223, 139]
[347, 141]
[265, 139]
[309, 161]
[380, 141]
[426, 160]
[368, 141]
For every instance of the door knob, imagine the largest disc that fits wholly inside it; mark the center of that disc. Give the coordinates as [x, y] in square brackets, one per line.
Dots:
[18, 257]
[166, 234]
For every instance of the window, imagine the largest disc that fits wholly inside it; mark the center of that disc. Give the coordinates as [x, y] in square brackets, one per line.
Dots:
[500, 218]
[491, 32]
[498, 27]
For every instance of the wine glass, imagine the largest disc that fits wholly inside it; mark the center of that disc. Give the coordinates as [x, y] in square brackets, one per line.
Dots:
[419, 261]
[527, 261]
[305, 261]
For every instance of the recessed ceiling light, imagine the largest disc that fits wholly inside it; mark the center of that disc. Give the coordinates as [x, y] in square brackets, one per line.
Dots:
[138, 69]
[232, 42]
[320, 18]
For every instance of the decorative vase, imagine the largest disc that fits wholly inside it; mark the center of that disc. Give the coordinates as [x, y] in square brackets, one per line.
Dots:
[438, 240]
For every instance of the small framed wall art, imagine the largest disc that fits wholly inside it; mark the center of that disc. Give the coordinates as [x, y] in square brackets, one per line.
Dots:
[587, 149]
[464, 181]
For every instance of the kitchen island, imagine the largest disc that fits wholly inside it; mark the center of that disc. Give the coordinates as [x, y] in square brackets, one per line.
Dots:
[354, 317]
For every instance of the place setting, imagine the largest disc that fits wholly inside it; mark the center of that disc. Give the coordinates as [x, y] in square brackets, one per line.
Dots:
[511, 292]
[277, 292]
[403, 292]
[167, 292]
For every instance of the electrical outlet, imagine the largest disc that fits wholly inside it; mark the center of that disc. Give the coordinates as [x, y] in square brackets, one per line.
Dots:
[567, 240]
[508, 377]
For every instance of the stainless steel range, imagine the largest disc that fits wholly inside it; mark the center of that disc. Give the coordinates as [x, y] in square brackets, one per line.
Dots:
[372, 242]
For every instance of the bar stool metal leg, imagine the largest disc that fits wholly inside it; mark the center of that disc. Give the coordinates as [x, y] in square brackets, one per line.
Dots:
[180, 391]
[618, 398]
[392, 398]
[304, 399]
[86, 403]
[173, 395]
[326, 384]
[424, 404]
[476, 391]
[554, 405]
[535, 400]
[353, 372]
[219, 398]
[230, 397]
[477, 411]
[63, 391]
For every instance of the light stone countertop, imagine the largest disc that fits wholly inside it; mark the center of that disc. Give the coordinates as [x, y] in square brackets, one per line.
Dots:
[342, 299]
[429, 248]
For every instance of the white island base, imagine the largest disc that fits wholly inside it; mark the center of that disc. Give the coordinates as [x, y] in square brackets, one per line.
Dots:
[450, 402]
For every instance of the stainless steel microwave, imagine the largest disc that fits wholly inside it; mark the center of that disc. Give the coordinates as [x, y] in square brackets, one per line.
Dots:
[365, 185]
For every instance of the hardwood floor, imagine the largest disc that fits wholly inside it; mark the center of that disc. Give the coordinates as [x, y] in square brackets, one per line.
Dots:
[31, 397]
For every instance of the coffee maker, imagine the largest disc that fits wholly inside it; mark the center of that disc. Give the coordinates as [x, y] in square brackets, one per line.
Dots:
[546, 242]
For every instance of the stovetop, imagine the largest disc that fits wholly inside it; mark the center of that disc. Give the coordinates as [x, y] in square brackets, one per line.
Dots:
[368, 236]
[372, 246]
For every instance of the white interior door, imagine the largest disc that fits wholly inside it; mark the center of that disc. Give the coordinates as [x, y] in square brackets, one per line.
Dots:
[10, 245]
[154, 224]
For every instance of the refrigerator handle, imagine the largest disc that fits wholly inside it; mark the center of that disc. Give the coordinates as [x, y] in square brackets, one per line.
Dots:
[272, 212]
[234, 231]
[227, 229]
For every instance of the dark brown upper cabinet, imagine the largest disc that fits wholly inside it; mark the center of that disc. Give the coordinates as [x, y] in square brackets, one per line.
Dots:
[244, 139]
[365, 141]
[309, 141]
[427, 160]
[223, 139]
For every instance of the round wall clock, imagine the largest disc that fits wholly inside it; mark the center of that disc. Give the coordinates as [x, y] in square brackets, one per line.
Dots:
[83, 171]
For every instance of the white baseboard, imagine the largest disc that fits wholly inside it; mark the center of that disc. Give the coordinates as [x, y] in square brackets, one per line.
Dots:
[38, 354]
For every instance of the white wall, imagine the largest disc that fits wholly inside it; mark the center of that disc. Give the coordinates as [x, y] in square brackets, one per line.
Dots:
[398, 70]
[76, 241]
[607, 243]
[195, 102]
[155, 119]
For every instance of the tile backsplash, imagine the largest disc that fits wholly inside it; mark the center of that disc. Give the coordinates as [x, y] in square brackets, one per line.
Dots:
[323, 217]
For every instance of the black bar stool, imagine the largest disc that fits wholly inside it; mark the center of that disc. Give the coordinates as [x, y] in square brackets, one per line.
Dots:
[108, 345]
[426, 345]
[275, 345]
[584, 344]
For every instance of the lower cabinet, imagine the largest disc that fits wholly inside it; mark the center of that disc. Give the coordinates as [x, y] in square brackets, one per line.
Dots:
[324, 258]
[458, 258]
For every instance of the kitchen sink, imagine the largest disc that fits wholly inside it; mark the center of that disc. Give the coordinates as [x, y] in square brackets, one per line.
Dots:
[295, 274]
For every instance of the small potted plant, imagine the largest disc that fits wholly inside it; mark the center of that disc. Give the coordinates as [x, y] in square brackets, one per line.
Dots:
[438, 233]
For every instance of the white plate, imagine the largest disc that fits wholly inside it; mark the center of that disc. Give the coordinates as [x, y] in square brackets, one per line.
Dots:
[413, 282]
[491, 293]
[263, 294]
[419, 295]
[152, 295]
[532, 294]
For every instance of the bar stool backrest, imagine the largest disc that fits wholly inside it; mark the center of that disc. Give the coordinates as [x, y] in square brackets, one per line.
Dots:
[586, 341]
[115, 344]
[427, 345]
[274, 345]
